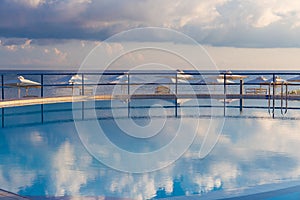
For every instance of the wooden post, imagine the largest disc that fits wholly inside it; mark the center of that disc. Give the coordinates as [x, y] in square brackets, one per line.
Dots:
[26, 91]
[19, 92]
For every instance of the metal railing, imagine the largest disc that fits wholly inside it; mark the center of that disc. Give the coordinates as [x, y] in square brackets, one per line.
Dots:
[223, 94]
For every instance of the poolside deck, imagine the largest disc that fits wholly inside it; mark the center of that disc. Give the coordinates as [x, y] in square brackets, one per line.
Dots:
[65, 99]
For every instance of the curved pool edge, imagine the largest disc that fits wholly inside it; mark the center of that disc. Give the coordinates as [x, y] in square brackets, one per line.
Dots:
[261, 192]
[50, 100]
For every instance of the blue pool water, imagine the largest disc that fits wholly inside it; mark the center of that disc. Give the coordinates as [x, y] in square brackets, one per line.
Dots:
[59, 150]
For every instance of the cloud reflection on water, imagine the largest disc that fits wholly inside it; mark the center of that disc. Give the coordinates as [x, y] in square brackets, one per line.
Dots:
[249, 152]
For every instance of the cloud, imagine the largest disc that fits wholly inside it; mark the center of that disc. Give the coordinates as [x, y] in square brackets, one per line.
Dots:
[13, 44]
[68, 181]
[214, 22]
[30, 3]
[62, 55]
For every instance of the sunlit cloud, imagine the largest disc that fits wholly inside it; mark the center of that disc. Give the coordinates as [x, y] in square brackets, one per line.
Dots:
[62, 55]
[69, 181]
[210, 22]
[30, 3]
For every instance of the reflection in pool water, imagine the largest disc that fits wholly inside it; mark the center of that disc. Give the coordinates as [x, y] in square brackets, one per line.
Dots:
[50, 160]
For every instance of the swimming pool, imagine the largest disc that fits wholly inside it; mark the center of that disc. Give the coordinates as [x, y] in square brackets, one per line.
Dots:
[55, 150]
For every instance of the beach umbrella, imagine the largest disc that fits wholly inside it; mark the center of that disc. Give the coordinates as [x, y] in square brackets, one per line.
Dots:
[21, 82]
[214, 81]
[72, 81]
[182, 77]
[278, 80]
[258, 80]
[77, 80]
[229, 76]
[124, 79]
[294, 79]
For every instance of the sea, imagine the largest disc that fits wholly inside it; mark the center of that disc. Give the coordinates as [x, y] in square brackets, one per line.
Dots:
[56, 82]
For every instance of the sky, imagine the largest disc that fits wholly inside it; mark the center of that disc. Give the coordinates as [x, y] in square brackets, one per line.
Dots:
[237, 34]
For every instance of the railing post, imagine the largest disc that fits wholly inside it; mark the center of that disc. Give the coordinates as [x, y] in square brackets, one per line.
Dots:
[128, 95]
[2, 110]
[42, 85]
[274, 83]
[2, 84]
[2, 97]
[176, 93]
[286, 97]
[82, 86]
[225, 92]
[269, 99]
[176, 84]
[241, 95]
[128, 85]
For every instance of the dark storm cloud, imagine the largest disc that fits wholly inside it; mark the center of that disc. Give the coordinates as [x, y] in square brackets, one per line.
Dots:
[215, 22]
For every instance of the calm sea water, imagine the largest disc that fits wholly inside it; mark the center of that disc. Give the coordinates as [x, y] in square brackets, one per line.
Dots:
[56, 82]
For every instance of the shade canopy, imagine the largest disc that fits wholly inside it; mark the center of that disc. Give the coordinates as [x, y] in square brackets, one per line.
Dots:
[294, 79]
[182, 75]
[169, 80]
[229, 76]
[22, 82]
[211, 80]
[258, 80]
[124, 79]
[72, 80]
[278, 80]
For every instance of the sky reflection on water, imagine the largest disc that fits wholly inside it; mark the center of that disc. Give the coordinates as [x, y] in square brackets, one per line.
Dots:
[50, 160]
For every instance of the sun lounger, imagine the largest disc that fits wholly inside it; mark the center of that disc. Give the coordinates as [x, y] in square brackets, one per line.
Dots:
[256, 91]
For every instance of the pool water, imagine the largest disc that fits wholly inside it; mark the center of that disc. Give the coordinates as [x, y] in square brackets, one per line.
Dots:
[59, 152]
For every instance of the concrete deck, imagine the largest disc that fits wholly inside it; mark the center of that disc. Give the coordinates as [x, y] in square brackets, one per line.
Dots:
[64, 99]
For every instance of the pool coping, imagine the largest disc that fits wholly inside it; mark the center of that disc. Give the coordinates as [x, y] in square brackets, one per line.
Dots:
[65, 99]
[50, 100]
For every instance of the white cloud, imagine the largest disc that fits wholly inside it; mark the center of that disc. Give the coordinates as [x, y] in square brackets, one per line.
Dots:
[66, 174]
[266, 19]
[14, 179]
[31, 3]
[62, 55]
[12, 47]
[46, 50]
[27, 44]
